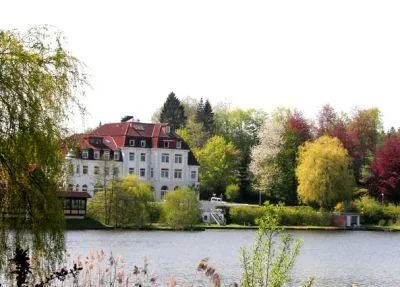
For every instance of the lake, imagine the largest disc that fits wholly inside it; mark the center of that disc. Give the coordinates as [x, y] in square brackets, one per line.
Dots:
[334, 258]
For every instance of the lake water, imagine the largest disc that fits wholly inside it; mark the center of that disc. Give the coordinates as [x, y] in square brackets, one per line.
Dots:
[334, 258]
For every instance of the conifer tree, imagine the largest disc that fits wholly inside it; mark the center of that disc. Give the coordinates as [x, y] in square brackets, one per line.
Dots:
[173, 112]
[208, 114]
[200, 112]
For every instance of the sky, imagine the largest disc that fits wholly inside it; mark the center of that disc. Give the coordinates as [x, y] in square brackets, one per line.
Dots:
[250, 54]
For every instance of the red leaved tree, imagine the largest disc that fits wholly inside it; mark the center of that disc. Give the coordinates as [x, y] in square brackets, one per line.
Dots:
[385, 178]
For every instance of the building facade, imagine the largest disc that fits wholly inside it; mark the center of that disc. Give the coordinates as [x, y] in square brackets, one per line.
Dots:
[152, 152]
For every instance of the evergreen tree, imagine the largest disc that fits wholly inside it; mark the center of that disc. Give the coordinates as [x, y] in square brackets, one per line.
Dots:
[200, 112]
[208, 115]
[173, 112]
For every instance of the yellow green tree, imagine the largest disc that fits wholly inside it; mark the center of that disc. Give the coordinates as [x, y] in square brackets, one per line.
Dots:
[218, 165]
[323, 172]
[181, 209]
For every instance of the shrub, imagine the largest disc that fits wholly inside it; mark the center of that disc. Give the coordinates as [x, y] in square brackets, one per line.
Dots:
[245, 214]
[181, 210]
[392, 212]
[371, 210]
[303, 215]
[232, 191]
[155, 211]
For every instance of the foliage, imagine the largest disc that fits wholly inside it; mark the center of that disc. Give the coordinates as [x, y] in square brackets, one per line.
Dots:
[173, 112]
[385, 179]
[245, 215]
[323, 172]
[232, 191]
[391, 212]
[205, 115]
[155, 210]
[303, 215]
[370, 209]
[181, 209]
[263, 155]
[127, 203]
[240, 127]
[218, 164]
[39, 85]
[267, 264]
[193, 134]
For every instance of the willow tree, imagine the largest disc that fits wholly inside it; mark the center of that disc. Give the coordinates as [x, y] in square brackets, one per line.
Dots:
[323, 172]
[39, 85]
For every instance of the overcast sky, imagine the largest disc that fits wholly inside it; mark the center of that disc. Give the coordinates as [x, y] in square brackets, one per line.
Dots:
[252, 54]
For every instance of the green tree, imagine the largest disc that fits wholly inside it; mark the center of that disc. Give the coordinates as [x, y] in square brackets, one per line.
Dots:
[39, 85]
[173, 112]
[240, 127]
[218, 165]
[323, 172]
[232, 191]
[193, 134]
[181, 209]
[127, 205]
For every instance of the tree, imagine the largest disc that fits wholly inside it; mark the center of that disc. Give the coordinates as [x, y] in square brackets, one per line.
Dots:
[263, 156]
[200, 111]
[323, 172]
[326, 120]
[181, 210]
[232, 192]
[193, 134]
[173, 112]
[241, 128]
[218, 165]
[39, 85]
[384, 183]
[127, 205]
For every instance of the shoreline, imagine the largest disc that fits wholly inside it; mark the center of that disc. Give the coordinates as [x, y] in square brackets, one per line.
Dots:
[89, 224]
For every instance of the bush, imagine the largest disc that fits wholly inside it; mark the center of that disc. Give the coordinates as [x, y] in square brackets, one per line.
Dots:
[245, 215]
[155, 211]
[303, 215]
[232, 191]
[181, 210]
[371, 210]
[392, 213]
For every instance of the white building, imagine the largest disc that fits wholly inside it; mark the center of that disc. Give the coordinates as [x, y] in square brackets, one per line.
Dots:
[152, 152]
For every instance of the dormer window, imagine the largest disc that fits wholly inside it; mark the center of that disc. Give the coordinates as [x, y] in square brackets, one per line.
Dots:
[106, 155]
[85, 154]
[166, 144]
[143, 143]
[96, 154]
[179, 144]
[131, 142]
[116, 155]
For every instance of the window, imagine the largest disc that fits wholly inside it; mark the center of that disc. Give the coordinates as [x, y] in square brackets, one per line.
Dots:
[164, 173]
[131, 156]
[151, 172]
[67, 203]
[193, 175]
[106, 155]
[84, 188]
[116, 155]
[106, 171]
[166, 144]
[70, 187]
[131, 170]
[178, 173]
[78, 204]
[131, 142]
[179, 144]
[165, 157]
[142, 172]
[96, 170]
[116, 171]
[178, 158]
[78, 169]
[96, 154]
[142, 157]
[77, 187]
[85, 169]
[85, 154]
[143, 143]
[168, 128]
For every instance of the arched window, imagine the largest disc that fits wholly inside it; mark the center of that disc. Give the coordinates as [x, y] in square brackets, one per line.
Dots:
[164, 191]
[84, 188]
[77, 187]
